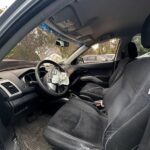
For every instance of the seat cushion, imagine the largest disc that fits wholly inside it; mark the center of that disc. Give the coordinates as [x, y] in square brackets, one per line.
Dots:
[93, 91]
[79, 123]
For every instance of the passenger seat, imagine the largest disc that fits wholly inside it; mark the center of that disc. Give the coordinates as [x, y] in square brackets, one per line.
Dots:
[94, 91]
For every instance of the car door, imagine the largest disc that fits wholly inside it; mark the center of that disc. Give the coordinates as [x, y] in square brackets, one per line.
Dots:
[8, 140]
[98, 60]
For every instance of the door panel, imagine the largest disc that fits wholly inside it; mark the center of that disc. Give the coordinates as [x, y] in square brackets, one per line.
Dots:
[7, 138]
[98, 60]
[102, 70]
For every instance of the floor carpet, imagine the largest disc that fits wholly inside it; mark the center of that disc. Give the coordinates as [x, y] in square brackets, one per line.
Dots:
[30, 135]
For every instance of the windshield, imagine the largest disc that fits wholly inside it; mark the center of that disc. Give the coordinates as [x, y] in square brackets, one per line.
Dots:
[39, 44]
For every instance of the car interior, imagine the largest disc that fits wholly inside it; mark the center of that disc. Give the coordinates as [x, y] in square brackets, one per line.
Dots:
[75, 104]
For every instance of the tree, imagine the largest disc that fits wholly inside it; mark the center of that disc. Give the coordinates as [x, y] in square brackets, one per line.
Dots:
[141, 49]
[38, 45]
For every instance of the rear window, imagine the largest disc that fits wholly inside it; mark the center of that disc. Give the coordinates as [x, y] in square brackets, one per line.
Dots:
[142, 52]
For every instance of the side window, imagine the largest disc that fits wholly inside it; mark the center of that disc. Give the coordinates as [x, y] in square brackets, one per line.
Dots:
[100, 52]
[142, 52]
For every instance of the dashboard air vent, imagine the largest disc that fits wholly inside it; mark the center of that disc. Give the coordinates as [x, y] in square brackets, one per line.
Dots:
[10, 87]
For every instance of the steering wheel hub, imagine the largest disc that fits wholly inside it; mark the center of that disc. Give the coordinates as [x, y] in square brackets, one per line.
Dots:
[56, 80]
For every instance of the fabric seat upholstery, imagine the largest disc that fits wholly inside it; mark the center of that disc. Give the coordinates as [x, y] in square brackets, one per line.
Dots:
[74, 119]
[80, 126]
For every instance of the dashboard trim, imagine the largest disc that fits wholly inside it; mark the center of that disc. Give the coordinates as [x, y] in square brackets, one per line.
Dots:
[6, 91]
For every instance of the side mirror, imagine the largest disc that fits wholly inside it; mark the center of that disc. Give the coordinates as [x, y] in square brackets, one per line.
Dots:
[80, 60]
[62, 43]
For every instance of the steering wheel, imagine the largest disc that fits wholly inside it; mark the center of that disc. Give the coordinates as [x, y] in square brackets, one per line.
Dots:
[56, 80]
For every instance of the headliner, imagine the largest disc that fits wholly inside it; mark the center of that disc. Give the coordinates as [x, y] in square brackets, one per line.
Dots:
[87, 20]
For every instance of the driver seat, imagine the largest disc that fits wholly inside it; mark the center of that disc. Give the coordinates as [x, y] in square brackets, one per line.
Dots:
[79, 125]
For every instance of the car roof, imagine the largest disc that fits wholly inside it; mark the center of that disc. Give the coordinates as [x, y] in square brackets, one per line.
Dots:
[90, 20]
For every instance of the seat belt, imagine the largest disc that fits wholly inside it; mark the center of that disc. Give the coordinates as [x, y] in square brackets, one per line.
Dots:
[145, 143]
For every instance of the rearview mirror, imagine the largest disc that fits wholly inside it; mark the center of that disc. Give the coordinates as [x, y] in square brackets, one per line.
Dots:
[62, 43]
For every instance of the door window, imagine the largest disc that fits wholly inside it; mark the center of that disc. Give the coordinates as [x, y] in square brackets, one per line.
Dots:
[101, 52]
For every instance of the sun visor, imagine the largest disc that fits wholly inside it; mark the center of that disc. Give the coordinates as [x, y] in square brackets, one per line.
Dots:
[66, 20]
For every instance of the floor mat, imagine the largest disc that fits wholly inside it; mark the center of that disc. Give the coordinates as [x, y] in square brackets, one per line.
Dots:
[30, 135]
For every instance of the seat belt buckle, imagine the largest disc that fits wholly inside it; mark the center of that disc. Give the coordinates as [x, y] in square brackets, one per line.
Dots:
[99, 103]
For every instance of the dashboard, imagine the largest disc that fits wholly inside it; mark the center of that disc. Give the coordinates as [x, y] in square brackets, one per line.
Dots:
[17, 94]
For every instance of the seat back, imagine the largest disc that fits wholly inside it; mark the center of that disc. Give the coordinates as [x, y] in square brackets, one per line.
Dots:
[132, 54]
[128, 105]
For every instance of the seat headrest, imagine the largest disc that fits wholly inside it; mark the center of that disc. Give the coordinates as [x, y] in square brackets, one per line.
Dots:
[145, 34]
[132, 50]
